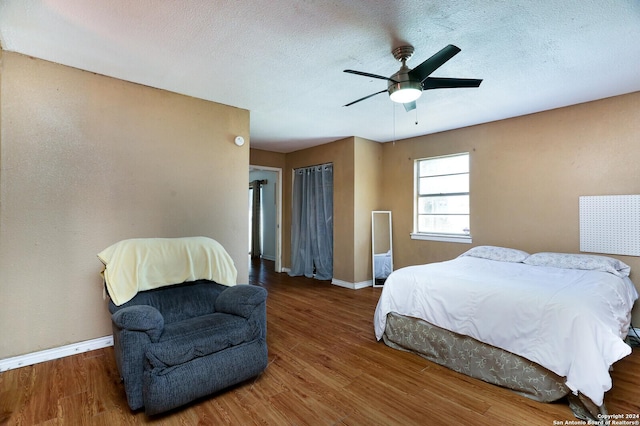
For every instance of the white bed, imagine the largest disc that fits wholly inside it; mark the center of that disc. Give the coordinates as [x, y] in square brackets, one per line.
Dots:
[567, 313]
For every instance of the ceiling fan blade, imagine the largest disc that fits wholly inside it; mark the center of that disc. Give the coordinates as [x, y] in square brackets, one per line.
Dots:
[449, 83]
[422, 71]
[366, 74]
[366, 97]
[409, 106]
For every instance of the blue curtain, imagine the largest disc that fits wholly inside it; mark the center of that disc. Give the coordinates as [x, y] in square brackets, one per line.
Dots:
[312, 222]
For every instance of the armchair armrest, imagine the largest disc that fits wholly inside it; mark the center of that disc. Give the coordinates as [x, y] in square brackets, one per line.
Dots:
[143, 318]
[240, 300]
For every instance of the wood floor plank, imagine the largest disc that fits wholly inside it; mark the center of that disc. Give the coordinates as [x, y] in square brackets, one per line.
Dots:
[325, 368]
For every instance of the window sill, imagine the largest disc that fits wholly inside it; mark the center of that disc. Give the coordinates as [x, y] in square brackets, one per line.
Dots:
[464, 239]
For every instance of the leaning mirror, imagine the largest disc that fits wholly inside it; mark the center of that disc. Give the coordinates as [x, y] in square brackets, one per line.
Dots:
[381, 246]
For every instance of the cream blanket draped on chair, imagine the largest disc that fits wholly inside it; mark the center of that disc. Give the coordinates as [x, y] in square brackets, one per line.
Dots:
[146, 263]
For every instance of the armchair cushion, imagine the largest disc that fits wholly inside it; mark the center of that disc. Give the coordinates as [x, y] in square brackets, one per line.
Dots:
[180, 301]
[240, 300]
[140, 318]
[198, 337]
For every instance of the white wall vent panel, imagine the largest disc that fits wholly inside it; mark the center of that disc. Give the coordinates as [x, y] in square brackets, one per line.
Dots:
[610, 224]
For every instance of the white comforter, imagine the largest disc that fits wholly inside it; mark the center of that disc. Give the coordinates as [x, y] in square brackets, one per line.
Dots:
[570, 321]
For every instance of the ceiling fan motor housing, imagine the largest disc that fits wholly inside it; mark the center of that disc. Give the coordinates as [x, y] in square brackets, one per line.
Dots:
[406, 89]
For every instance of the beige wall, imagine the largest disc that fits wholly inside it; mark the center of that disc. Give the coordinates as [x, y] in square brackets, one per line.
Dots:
[87, 160]
[526, 176]
[341, 154]
[259, 157]
[367, 197]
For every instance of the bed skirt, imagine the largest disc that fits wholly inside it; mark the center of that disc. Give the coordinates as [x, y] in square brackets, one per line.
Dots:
[475, 359]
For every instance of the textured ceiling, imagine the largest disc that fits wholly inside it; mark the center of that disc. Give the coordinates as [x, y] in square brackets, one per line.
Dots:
[283, 60]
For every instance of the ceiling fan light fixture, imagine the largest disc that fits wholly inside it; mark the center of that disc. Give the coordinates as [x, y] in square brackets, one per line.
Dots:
[404, 92]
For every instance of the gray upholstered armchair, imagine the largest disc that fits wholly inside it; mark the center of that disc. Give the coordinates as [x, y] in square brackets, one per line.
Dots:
[178, 343]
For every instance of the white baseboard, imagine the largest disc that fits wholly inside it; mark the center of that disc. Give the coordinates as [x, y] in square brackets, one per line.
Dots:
[345, 284]
[352, 286]
[55, 353]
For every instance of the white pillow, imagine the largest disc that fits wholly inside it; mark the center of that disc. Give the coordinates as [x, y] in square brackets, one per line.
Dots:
[587, 262]
[501, 254]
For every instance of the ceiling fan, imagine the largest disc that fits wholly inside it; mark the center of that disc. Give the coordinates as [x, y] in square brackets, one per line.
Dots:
[406, 85]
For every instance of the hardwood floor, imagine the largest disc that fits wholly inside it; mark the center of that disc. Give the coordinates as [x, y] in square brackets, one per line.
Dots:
[326, 368]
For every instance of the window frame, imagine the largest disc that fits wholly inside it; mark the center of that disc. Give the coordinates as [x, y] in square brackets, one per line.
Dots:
[438, 236]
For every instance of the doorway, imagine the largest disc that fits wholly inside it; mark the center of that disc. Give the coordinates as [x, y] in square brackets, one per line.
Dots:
[270, 212]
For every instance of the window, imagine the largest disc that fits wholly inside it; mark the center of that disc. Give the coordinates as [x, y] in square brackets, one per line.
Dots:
[441, 203]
